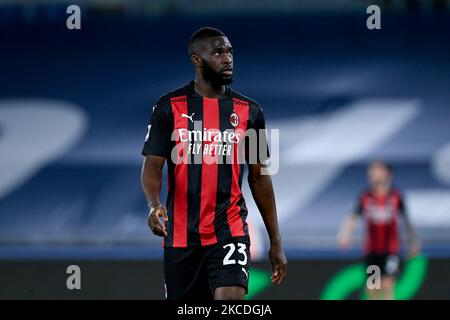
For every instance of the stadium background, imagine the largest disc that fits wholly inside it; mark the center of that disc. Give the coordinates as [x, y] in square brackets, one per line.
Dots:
[74, 107]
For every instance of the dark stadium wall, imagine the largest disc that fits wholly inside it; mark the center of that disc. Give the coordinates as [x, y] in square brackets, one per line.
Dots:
[118, 279]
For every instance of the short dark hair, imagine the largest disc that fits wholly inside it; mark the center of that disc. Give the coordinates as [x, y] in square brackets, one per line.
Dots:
[201, 34]
[382, 163]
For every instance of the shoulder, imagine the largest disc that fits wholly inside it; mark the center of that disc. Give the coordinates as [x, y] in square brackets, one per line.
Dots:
[365, 193]
[254, 109]
[178, 93]
[397, 192]
[164, 101]
[239, 97]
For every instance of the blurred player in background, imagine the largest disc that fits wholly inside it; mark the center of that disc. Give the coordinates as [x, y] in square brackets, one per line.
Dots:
[206, 237]
[381, 205]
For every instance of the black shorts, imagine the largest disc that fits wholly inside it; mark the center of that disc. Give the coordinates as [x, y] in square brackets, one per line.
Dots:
[389, 264]
[194, 273]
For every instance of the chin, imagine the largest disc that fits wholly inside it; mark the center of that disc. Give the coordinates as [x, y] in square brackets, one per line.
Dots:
[227, 81]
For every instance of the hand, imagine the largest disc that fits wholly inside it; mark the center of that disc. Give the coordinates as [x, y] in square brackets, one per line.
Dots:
[154, 222]
[344, 242]
[414, 250]
[278, 261]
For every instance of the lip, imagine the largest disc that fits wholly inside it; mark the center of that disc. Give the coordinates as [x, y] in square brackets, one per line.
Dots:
[228, 72]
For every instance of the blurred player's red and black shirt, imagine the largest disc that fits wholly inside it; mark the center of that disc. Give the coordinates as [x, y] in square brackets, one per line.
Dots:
[205, 204]
[381, 214]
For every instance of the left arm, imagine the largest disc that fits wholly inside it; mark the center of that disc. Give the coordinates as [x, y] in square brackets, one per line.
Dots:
[262, 191]
[411, 235]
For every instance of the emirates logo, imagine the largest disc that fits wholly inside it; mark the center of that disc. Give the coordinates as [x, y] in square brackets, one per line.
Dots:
[234, 119]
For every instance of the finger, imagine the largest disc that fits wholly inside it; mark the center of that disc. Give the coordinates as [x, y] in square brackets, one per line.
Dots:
[158, 222]
[275, 274]
[158, 229]
[276, 280]
[279, 280]
[162, 213]
[151, 222]
[282, 273]
[165, 217]
[159, 232]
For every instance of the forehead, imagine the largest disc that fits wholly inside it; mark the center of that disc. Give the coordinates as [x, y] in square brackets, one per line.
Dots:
[217, 42]
[377, 167]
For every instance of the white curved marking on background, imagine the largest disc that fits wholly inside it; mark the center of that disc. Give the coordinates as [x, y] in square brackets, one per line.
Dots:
[440, 164]
[314, 150]
[429, 207]
[32, 134]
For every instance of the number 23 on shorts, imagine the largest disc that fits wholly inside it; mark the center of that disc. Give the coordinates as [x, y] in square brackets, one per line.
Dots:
[240, 259]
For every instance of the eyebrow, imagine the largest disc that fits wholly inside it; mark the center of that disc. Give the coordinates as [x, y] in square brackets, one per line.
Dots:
[221, 47]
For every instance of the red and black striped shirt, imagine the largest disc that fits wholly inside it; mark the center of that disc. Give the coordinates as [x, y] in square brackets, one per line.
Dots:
[200, 138]
[381, 213]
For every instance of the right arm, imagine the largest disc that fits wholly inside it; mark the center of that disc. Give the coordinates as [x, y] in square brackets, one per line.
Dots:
[151, 181]
[156, 148]
[411, 235]
[348, 227]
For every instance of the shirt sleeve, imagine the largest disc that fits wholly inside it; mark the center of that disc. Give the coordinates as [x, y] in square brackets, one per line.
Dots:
[159, 131]
[401, 205]
[358, 207]
[259, 126]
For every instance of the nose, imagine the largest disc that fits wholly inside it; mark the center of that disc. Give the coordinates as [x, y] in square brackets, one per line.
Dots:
[227, 59]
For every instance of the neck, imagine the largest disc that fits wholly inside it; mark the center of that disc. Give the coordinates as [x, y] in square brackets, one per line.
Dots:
[206, 89]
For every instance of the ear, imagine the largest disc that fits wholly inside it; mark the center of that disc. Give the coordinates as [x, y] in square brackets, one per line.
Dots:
[196, 61]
